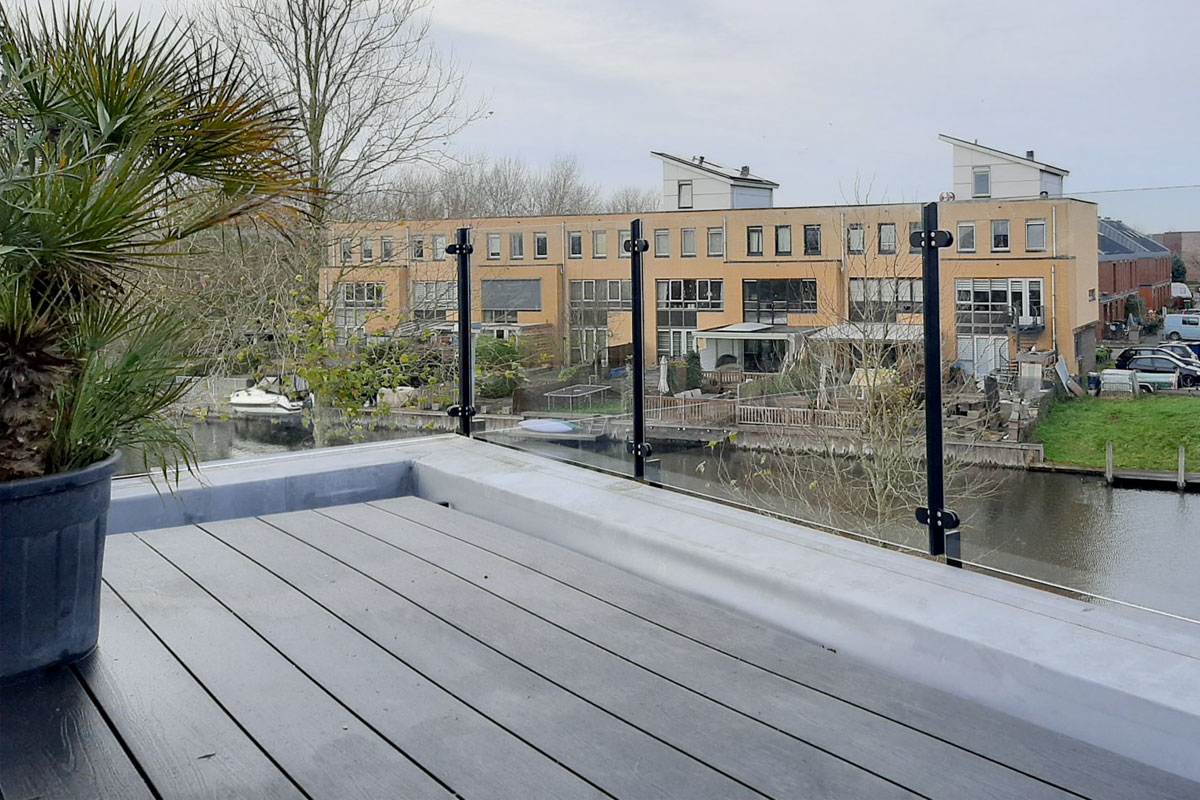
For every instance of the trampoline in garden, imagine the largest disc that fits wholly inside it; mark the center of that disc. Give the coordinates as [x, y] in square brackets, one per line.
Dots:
[585, 394]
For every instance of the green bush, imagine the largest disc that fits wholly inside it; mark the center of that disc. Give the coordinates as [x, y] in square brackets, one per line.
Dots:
[694, 373]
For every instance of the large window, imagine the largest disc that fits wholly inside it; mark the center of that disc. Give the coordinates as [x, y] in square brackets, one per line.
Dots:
[887, 238]
[783, 240]
[856, 239]
[600, 296]
[1035, 235]
[575, 244]
[523, 294]
[662, 243]
[685, 194]
[812, 240]
[996, 305]
[1000, 243]
[387, 248]
[516, 246]
[754, 240]
[432, 299]
[354, 302]
[541, 245]
[367, 249]
[770, 301]
[966, 237]
[716, 242]
[599, 244]
[881, 299]
[678, 302]
[493, 243]
[981, 182]
[687, 243]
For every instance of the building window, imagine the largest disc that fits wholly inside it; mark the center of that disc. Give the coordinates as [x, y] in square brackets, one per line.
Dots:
[1000, 236]
[675, 343]
[502, 299]
[687, 294]
[687, 243]
[439, 247]
[981, 182]
[599, 244]
[881, 299]
[662, 243]
[516, 246]
[716, 242]
[783, 240]
[432, 299]
[541, 245]
[992, 306]
[589, 344]
[1035, 235]
[966, 237]
[387, 248]
[622, 238]
[887, 238]
[856, 238]
[347, 250]
[354, 302]
[367, 249]
[499, 316]
[685, 194]
[754, 240]
[614, 291]
[575, 244]
[583, 291]
[812, 240]
[417, 246]
[493, 241]
[914, 227]
[770, 301]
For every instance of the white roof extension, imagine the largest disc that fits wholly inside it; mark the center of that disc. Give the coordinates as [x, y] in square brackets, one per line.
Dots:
[740, 176]
[991, 151]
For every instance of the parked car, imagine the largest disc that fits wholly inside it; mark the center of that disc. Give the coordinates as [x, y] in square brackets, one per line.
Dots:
[1181, 326]
[1179, 351]
[1165, 363]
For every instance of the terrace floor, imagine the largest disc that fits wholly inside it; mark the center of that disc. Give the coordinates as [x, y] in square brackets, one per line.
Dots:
[401, 649]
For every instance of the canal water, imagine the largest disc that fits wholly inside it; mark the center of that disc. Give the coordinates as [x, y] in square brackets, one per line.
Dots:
[1136, 546]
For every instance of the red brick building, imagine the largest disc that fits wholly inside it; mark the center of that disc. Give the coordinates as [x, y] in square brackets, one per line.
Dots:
[1131, 265]
[1186, 245]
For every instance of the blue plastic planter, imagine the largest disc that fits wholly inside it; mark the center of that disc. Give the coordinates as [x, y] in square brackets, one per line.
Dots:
[51, 549]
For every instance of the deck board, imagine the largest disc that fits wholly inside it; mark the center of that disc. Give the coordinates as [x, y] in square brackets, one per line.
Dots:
[401, 649]
[1064, 761]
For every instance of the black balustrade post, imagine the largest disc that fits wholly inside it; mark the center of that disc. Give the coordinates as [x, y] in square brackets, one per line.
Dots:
[465, 409]
[640, 448]
[942, 522]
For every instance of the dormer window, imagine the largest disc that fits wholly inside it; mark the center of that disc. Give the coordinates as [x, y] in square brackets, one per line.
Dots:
[981, 185]
[685, 194]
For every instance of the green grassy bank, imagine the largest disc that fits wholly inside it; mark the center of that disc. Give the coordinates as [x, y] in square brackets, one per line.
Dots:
[1146, 432]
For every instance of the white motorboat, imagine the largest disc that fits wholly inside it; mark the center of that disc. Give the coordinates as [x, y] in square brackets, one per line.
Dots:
[257, 400]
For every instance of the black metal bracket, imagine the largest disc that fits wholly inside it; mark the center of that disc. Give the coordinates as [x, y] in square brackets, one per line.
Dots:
[945, 519]
[642, 245]
[639, 449]
[462, 411]
[455, 249]
[934, 239]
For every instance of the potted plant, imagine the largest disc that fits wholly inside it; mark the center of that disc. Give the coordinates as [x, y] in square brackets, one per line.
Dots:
[118, 143]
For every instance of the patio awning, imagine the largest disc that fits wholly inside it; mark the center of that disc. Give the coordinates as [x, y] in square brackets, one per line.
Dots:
[870, 331]
[753, 330]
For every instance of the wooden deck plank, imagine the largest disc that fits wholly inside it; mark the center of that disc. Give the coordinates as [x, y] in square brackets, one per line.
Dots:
[758, 755]
[54, 743]
[873, 742]
[321, 745]
[608, 752]
[1080, 767]
[183, 740]
[467, 751]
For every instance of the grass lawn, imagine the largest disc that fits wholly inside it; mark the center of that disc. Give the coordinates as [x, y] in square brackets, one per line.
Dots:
[1146, 432]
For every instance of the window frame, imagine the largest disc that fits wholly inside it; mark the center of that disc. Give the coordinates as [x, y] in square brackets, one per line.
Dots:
[666, 251]
[751, 232]
[366, 250]
[347, 249]
[813, 229]
[779, 229]
[719, 252]
[880, 243]
[959, 238]
[914, 227]
[622, 237]
[1037, 221]
[679, 195]
[387, 249]
[1007, 248]
[541, 241]
[600, 244]
[516, 253]
[439, 247]
[861, 229]
[683, 253]
[493, 254]
[976, 172]
[574, 237]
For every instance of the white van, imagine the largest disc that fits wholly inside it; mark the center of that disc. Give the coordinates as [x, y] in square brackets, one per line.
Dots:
[1181, 326]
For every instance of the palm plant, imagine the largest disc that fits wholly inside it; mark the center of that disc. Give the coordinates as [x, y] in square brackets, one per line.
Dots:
[117, 142]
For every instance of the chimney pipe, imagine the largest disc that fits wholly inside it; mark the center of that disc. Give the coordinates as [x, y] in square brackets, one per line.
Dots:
[745, 172]
[1029, 155]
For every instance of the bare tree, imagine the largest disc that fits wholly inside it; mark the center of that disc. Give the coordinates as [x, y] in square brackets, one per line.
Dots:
[371, 92]
[633, 200]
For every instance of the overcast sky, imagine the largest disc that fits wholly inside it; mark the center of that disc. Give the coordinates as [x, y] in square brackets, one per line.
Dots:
[820, 95]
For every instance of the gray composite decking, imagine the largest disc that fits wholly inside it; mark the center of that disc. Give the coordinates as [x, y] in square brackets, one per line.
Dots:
[399, 649]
